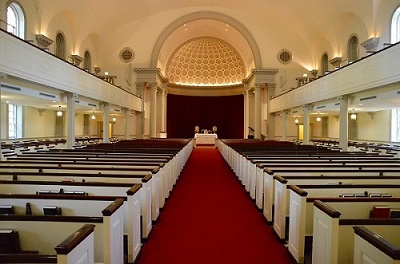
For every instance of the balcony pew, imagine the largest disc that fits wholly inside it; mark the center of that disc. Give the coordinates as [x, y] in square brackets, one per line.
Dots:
[108, 234]
[301, 208]
[83, 205]
[381, 246]
[333, 236]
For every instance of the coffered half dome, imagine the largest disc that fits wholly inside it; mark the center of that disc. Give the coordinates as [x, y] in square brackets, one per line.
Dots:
[205, 61]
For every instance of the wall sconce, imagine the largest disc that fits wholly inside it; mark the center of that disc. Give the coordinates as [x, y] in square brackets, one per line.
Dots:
[370, 44]
[76, 59]
[97, 70]
[353, 116]
[93, 117]
[43, 41]
[296, 121]
[336, 61]
[59, 112]
[114, 119]
[314, 73]
[318, 119]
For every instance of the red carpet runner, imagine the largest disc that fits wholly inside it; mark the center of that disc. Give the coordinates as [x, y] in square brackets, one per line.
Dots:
[209, 218]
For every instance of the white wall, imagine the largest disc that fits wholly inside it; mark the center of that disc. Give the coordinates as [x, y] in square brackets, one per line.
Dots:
[376, 128]
[36, 125]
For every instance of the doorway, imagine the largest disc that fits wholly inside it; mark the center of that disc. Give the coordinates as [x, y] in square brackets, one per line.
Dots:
[300, 131]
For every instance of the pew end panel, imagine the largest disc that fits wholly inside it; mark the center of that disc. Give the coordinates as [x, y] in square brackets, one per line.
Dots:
[326, 234]
[78, 247]
[371, 247]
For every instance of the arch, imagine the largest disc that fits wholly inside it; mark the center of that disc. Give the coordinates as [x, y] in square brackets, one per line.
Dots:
[395, 27]
[206, 15]
[19, 23]
[87, 61]
[324, 63]
[60, 46]
[352, 48]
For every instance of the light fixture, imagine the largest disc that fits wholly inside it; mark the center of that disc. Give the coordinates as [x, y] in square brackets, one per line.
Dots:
[353, 116]
[296, 121]
[59, 112]
[318, 119]
[93, 117]
[106, 73]
[314, 73]
[114, 119]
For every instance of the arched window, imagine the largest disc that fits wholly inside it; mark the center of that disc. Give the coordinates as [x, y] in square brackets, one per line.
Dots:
[395, 28]
[60, 46]
[324, 64]
[16, 20]
[352, 49]
[87, 63]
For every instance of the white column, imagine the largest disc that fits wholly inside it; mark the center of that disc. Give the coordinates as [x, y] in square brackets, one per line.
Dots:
[127, 124]
[106, 122]
[284, 128]
[153, 111]
[164, 111]
[306, 125]
[246, 113]
[140, 115]
[3, 76]
[257, 112]
[343, 123]
[70, 120]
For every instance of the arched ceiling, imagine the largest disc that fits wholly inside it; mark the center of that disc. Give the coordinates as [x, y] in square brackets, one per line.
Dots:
[205, 61]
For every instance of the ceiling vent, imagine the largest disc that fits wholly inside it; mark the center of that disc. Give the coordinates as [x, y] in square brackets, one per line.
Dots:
[284, 56]
[127, 55]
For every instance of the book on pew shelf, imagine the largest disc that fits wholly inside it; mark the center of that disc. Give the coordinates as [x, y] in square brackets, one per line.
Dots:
[9, 242]
[394, 212]
[380, 211]
[386, 195]
[375, 195]
[51, 210]
[6, 209]
[347, 195]
[361, 194]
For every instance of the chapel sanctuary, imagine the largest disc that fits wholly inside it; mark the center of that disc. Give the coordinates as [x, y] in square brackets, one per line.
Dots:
[200, 132]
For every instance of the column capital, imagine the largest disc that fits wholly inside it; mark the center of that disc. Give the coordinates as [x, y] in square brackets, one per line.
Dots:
[3, 76]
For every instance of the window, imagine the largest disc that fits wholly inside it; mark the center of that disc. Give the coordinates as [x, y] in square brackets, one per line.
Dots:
[60, 46]
[12, 121]
[395, 28]
[87, 61]
[324, 64]
[15, 20]
[352, 49]
[395, 133]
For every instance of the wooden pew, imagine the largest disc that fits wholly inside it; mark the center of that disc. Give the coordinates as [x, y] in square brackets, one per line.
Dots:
[131, 174]
[95, 185]
[282, 193]
[108, 234]
[83, 205]
[78, 246]
[333, 236]
[381, 246]
[301, 208]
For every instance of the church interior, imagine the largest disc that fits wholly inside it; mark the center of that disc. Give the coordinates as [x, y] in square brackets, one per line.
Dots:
[144, 83]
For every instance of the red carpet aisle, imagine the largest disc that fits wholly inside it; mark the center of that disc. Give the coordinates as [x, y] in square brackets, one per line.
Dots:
[209, 218]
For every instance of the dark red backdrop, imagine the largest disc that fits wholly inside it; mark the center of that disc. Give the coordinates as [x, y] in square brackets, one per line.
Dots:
[186, 112]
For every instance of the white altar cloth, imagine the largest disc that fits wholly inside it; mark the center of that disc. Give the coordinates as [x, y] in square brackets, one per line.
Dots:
[205, 139]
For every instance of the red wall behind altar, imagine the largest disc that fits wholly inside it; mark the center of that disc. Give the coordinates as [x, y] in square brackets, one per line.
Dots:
[186, 112]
